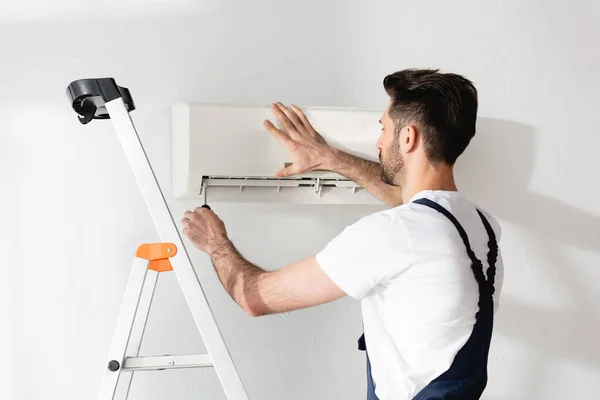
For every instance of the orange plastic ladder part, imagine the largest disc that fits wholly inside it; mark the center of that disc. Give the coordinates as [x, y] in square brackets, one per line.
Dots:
[158, 254]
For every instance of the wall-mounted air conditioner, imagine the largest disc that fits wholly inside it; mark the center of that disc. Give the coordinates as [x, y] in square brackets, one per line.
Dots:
[224, 152]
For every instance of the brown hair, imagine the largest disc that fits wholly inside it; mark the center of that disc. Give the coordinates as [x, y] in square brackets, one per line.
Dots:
[442, 105]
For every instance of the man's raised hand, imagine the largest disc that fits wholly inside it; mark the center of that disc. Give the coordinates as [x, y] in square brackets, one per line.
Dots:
[306, 146]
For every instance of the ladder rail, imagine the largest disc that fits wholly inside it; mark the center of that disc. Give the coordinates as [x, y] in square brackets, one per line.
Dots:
[123, 329]
[181, 263]
[139, 326]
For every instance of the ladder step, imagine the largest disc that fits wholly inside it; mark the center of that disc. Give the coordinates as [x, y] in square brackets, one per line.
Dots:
[154, 363]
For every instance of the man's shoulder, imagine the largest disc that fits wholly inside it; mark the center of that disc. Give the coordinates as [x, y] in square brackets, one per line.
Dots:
[456, 203]
[378, 221]
[390, 218]
[384, 227]
[412, 216]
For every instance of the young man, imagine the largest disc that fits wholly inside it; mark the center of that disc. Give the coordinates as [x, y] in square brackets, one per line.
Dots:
[427, 271]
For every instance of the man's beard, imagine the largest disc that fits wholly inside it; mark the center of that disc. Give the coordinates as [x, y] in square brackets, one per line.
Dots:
[392, 165]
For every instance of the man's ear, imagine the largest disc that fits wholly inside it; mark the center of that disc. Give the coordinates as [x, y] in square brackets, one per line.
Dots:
[410, 138]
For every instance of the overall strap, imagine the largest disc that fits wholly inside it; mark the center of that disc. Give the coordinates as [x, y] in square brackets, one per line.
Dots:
[466, 378]
[492, 255]
[476, 265]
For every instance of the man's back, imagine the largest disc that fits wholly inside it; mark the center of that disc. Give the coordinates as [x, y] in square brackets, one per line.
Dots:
[410, 268]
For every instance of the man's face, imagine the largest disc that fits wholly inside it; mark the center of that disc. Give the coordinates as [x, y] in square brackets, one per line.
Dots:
[390, 157]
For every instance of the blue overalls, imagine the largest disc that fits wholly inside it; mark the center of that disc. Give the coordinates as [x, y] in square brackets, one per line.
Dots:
[467, 376]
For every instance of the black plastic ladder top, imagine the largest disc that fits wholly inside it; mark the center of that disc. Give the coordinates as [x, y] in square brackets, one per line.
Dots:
[88, 97]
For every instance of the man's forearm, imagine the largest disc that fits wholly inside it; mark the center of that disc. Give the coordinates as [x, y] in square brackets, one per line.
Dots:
[238, 276]
[366, 173]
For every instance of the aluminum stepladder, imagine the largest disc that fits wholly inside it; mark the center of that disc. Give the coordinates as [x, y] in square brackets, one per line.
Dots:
[104, 99]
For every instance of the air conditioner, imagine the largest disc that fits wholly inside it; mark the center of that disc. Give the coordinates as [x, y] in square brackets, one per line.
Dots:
[224, 152]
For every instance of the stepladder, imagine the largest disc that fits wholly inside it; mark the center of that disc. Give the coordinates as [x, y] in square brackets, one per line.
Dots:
[98, 99]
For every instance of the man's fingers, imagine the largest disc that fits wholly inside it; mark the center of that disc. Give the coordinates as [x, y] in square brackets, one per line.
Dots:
[288, 171]
[302, 117]
[200, 209]
[188, 215]
[279, 135]
[292, 116]
[283, 119]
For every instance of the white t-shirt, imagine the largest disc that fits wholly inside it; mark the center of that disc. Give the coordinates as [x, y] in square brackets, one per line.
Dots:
[409, 267]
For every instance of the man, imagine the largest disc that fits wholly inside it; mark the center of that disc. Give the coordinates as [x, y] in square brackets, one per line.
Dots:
[427, 271]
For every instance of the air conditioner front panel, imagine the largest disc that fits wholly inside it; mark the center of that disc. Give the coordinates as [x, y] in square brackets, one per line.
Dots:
[223, 141]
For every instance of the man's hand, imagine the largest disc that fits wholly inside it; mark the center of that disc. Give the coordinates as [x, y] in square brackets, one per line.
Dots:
[310, 152]
[205, 229]
[307, 147]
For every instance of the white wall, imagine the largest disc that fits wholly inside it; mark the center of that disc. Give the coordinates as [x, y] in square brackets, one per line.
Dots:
[71, 214]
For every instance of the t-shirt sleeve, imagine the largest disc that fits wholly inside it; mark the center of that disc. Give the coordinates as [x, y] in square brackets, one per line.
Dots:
[367, 253]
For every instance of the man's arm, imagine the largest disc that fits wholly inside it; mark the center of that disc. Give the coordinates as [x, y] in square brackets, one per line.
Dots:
[366, 173]
[259, 292]
[310, 152]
